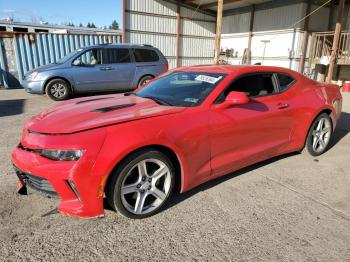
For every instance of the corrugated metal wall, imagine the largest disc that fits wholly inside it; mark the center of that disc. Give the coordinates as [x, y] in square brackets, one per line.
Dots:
[275, 22]
[277, 18]
[154, 22]
[31, 50]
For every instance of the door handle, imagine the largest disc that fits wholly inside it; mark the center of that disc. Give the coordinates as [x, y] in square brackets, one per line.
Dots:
[106, 68]
[282, 105]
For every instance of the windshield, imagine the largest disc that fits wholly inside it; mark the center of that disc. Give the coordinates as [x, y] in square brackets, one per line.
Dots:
[68, 56]
[181, 88]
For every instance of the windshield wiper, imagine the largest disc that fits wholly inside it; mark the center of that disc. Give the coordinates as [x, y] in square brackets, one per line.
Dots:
[158, 100]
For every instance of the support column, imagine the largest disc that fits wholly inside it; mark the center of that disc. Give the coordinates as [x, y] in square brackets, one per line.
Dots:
[124, 25]
[330, 19]
[218, 31]
[335, 40]
[178, 25]
[250, 36]
[304, 40]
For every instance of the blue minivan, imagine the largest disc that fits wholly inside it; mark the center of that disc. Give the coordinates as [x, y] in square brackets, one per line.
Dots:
[99, 68]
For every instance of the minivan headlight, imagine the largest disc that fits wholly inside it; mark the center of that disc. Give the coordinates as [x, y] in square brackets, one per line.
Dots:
[32, 76]
[61, 155]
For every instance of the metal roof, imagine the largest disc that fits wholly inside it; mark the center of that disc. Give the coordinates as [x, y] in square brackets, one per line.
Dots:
[211, 5]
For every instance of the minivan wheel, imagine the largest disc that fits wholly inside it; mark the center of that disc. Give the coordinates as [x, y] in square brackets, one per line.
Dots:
[319, 135]
[141, 186]
[144, 80]
[58, 90]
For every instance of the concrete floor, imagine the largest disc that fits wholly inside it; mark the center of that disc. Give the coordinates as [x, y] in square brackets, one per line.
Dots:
[291, 208]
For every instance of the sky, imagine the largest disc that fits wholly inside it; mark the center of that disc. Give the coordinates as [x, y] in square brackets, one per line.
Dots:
[101, 12]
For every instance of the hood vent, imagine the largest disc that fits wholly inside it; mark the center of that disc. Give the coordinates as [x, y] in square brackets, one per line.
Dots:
[94, 99]
[111, 108]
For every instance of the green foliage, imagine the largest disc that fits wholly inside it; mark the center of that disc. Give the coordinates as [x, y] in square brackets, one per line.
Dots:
[114, 25]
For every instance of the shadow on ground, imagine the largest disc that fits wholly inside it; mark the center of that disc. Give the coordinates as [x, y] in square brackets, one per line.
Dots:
[11, 107]
[178, 198]
[342, 129]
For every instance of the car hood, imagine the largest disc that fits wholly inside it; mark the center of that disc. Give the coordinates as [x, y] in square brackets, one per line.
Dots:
[91, 112]
[44, 68]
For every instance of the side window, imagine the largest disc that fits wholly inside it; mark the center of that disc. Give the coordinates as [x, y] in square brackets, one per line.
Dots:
[285, 81]
[116, 55]
[145, 55]
[255, 85]
[90, 57]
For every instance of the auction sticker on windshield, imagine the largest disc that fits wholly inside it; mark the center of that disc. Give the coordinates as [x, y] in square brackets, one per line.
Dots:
[208, 79]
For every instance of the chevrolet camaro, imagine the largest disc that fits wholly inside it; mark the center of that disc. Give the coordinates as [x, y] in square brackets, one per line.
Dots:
[188, 126]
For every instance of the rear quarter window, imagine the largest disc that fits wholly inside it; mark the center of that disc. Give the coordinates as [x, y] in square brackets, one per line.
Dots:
[285, 81]
[145, 55]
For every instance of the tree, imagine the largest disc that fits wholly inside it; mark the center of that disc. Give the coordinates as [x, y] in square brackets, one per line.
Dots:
[114, 25]
[93, 25]
[88, 25]
[81, 25]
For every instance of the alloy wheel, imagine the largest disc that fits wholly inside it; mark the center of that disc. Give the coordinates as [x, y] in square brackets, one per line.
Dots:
[146, 186]
[58, 90]
[321, 134]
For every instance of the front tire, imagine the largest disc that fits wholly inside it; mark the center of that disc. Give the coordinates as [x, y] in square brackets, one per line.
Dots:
[319, 135]
[141, 185]
[58, 90]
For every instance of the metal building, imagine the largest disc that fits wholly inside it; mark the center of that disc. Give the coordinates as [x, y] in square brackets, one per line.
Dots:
[270, 32]
[21, 52]
[183, 34]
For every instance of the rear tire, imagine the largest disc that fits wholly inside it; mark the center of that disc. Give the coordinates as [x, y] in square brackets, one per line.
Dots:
[319, 136]
[144, 80]
[141, 185]
[58, 89]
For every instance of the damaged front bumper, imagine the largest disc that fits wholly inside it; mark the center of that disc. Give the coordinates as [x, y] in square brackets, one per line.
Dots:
[74, 182]
[35, 182]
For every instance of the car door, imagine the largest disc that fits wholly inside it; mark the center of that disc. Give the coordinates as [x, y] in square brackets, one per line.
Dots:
[118, 67]
[244, 134]
[86, 71]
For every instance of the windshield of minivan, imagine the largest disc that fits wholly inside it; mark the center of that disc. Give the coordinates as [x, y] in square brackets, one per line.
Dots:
[185, 89]
[68, 56]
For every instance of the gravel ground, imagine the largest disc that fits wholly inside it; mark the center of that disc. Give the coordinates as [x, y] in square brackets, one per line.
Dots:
[291, 208]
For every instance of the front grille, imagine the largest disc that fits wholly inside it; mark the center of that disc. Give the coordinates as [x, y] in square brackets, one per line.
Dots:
[35, 182]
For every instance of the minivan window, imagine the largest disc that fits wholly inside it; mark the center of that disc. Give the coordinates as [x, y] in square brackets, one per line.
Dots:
[68, 56]
[116, 55]
[285, 81]
[145, 55]
[90, 57]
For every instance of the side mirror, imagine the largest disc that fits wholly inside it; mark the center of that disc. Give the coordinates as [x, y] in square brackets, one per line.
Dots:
[77, 62]
[234, 98]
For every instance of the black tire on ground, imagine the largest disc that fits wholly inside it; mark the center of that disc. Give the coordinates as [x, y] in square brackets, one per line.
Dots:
[125, 171]
[144, 80]
[319, 135]
[58, 89]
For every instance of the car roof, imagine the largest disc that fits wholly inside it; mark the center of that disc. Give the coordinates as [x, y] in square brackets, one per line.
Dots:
[230, 69]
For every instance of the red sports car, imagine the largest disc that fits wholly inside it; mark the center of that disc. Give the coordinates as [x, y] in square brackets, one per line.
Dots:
[182, 129]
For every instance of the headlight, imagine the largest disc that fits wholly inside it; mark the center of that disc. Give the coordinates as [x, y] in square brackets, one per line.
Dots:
[32, 76]
[61, 155]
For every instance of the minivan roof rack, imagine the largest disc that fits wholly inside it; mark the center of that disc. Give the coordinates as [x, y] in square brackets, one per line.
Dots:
[147, 45]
